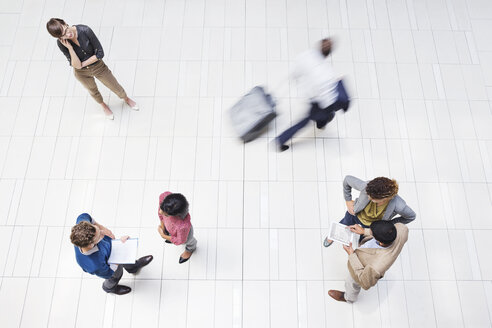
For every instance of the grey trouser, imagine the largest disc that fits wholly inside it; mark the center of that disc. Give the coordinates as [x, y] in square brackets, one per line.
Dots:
[352, 289]
[111, 282]
[191, 241]
[100, 71]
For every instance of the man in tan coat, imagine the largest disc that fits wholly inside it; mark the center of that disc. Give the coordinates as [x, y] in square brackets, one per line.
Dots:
[381, 245]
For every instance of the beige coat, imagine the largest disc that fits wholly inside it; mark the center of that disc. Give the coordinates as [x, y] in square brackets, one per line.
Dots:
[368, 265]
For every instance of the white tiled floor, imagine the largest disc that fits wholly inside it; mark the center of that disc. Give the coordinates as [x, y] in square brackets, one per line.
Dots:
[420, 74]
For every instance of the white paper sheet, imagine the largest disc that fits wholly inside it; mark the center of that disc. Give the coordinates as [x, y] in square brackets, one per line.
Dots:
[341, 234]
[123, 253]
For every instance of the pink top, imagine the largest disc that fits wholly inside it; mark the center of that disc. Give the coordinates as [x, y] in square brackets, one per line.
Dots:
[177, 227]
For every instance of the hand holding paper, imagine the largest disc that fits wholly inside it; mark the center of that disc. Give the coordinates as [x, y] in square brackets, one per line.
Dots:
[342, 234]
[123, 250]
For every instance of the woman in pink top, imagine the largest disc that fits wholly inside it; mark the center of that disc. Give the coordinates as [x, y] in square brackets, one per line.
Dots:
[175, 224]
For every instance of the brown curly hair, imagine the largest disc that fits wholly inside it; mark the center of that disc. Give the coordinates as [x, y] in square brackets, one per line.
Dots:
[382, 187]
[83, 234]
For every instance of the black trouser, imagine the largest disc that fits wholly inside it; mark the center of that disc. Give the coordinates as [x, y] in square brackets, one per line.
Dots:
[321, 116]
[111, 283]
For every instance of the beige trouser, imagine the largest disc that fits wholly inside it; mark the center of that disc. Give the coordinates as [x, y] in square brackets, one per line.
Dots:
[100, 71]
[352, 289]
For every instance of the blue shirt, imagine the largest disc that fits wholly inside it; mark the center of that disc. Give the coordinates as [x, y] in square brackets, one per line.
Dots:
[95, 262]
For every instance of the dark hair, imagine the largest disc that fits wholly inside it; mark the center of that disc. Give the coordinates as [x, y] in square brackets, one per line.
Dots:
[383, 231]
[326, 46]
[381, 187]
[83, 234]
[55, 27]
[175, 205]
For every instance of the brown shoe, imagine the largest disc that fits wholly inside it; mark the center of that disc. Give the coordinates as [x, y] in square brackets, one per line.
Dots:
[337, 295]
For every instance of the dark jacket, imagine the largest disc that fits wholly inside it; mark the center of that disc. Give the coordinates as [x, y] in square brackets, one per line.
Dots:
[89, 45]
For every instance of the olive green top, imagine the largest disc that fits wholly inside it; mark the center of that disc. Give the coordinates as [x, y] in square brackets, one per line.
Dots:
[372, 212]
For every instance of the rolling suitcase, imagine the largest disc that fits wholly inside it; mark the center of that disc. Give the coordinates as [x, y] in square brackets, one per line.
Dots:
[252, 113]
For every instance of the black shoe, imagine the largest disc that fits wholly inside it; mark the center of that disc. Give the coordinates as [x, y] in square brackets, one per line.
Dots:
[182, 260]
[120, 290]
[283, 147]
[168, 241]
[321, 125]
[141, 262]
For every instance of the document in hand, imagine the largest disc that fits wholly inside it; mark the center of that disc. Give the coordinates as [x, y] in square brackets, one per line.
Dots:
[123, 253]
[342, 234]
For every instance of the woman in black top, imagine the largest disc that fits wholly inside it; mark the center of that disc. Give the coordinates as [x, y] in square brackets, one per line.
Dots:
[84, 53]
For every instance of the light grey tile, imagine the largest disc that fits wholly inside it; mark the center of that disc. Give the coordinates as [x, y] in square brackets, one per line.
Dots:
[31, 205]
[447, 162]
[423, 160]
[432, 217]
[306, 208]
[256, 255]
[17, 157]
[399, 15]
[473, 303]
[308, 252]
[387, 75]
[231, 159]
[41, 157]
[38, 301]
[8, 111]
[336, 313]
[357, 14]
[478, 203]
[440, 123]
[415, 254]
[448, 310]
[482, 117]
[446, 47]
[416, 119]
[362, 309]
[64, 302]
[88, 288]
[480, 237]
[283, 304]
[129, 204]
[229, 250]
[146, 302]
[439, 256]
[482, 32]
[134, 162]
[173, 303]
[424, 46]
[419, 300]
[228, 304]
[12, 297]
[392, 303]
[256, 300]
[471, 165]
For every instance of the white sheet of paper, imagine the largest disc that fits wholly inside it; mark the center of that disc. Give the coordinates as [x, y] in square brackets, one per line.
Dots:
[123, 253]
[341, 234]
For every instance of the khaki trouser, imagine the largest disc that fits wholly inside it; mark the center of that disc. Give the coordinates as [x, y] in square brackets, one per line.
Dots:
[352, 289]
[100, 71]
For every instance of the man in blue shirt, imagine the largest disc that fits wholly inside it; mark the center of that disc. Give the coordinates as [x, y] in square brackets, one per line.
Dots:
[92, 243]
